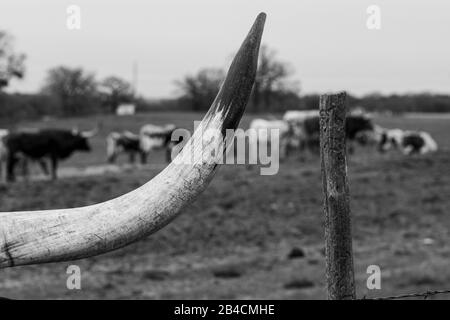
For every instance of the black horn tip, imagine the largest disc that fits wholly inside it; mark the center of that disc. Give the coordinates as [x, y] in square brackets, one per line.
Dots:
[235, 91]
[260, 21]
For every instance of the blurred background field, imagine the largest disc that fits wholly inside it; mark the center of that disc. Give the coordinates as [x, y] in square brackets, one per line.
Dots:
[247, 235]
[251, 236]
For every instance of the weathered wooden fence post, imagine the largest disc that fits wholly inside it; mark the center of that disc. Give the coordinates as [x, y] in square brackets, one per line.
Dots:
[338, 237]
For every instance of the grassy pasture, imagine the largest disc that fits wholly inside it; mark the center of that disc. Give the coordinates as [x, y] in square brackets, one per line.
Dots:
[237, 239]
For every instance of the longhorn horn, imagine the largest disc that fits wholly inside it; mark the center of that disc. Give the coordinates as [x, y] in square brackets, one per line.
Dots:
[33, 237]
[91, 133]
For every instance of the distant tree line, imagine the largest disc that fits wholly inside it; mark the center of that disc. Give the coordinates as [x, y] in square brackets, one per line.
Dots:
[275, 92]
[272, 91]
[68, 92]
[75, 92]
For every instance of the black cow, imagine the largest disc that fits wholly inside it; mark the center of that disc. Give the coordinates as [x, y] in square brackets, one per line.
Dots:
[54, 144]
[354, 125]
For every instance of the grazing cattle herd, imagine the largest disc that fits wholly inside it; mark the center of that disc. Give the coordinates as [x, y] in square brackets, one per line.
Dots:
[297, 130]
[301, 130]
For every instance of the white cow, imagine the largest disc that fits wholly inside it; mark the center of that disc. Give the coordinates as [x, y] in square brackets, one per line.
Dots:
[299, 116]
[265, 128]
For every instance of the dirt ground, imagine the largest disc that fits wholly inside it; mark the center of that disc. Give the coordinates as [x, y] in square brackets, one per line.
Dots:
[255, 237]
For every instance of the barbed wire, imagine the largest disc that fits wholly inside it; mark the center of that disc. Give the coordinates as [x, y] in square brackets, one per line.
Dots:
[425, 295]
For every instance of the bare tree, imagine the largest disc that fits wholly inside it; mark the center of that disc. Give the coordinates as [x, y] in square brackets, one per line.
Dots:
[272, 77]
[75, 89]
[200, 90]
[117, 91]
[11, 64]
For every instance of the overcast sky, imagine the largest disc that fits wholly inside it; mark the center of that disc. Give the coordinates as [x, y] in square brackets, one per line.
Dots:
[326, 41]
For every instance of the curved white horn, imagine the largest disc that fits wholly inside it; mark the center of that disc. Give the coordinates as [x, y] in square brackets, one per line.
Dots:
[32, 237]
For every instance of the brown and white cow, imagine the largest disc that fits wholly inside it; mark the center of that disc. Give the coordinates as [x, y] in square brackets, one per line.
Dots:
[125, 142]
[408, 142]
